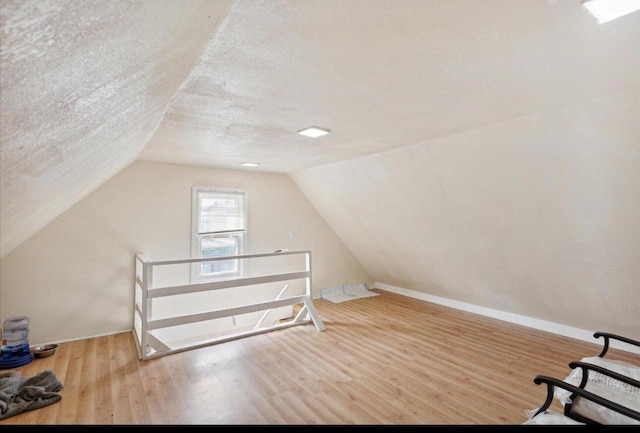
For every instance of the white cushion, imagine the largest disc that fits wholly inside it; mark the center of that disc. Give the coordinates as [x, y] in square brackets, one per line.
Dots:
[606, 387]
[550, 417]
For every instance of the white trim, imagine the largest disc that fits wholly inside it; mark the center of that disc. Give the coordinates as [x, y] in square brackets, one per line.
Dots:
[193, 230]
[225, 284]
[146, 350]
[195, 250]
[542, 325]
[226, 312]
[87, 337]
[211, 259]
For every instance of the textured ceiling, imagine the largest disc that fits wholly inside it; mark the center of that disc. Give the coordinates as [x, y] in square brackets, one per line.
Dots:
[89, 86]
[83, 85]
[383, 74]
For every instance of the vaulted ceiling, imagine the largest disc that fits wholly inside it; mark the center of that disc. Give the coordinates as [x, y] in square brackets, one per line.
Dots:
[87, 87]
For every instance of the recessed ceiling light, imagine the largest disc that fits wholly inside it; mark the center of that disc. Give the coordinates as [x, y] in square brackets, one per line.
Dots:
[313, 131]
[250, 164]
[607, 10]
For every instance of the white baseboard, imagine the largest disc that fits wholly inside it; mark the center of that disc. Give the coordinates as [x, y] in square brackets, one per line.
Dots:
[542, 325]
[70, 340]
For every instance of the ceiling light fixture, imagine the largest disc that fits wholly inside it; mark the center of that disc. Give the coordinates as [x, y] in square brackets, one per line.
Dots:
[607, 10]
[250, 164]
[313, 132]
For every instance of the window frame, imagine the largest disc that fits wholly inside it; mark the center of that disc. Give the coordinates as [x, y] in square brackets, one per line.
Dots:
[196, 275]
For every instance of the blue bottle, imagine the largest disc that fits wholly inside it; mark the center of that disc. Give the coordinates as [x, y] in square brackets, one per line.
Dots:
[15, 349]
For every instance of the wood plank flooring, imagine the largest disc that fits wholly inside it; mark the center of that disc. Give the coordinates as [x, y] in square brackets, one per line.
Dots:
[387, 359]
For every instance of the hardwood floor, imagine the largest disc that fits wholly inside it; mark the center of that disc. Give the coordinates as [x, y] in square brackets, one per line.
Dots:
[387, 359]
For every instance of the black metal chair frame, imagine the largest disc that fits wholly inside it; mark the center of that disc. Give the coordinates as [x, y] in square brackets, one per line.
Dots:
[579, 391]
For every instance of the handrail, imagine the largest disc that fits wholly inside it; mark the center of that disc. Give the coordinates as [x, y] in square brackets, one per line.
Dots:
[607, 336]
[585, 366]
[552, 382]
[150, 342]
[225, 284]
[219, 258]
[199, 317]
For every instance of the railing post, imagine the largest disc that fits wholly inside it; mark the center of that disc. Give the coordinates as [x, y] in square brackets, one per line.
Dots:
[137, 276]
[308, 302]
[308, 268]
[147, 283]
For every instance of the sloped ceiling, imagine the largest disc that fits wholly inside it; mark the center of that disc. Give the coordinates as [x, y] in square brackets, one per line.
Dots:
[88, 87]
[383, 74]
[536, 216]
[83, 86]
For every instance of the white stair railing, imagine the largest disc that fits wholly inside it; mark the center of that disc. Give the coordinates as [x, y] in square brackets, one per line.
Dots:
[151, 345]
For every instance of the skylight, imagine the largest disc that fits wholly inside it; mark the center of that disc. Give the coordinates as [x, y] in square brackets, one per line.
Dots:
[607, 10]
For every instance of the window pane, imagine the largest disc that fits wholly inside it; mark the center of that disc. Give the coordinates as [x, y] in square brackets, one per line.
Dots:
[220, 211]
[219, 231]
[219, 246]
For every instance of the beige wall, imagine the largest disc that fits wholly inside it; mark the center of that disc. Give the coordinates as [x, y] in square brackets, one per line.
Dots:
[537, 216]
[74, 278]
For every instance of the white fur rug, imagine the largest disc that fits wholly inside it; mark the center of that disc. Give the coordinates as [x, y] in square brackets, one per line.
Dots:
[346, 292]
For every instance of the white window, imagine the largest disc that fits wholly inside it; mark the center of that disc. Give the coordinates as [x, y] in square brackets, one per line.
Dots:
[219, 229]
